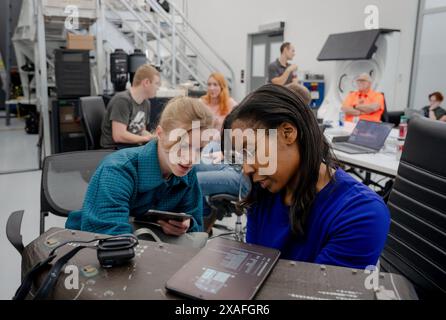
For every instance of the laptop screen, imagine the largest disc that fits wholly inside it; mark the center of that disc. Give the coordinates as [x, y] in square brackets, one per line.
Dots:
[370, 134]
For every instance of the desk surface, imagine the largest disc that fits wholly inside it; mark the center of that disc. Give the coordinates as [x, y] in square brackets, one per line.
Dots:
[21, 100]
[146, 275]
[384, 162]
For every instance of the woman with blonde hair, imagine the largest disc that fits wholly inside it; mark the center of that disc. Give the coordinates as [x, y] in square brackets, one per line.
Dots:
[159, 175]
[218, 99]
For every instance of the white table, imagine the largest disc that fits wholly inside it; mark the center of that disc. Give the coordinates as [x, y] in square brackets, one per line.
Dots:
[384, 163]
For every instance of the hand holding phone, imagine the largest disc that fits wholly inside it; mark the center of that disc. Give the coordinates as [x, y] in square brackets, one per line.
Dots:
[172, 223]
[174, 228]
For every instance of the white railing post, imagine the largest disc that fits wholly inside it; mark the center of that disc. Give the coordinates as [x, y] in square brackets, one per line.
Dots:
[174, 51]
[42, 76]
[100, 53]
[158, 45]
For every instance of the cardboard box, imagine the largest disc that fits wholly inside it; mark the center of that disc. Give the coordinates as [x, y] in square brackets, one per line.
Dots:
[66, 115]
[68, 120]
[80, 42]
[70, 128]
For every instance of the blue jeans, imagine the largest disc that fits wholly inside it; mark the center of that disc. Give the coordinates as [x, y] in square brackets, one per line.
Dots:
[221, 179]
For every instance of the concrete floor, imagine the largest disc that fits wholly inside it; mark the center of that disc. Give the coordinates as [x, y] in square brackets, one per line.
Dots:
[18, 150]
[18, 191]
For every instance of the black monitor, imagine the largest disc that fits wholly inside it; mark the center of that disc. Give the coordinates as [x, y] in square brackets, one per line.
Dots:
[358, 45]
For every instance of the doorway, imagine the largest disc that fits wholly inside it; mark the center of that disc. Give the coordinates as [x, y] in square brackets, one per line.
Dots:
[263, 48]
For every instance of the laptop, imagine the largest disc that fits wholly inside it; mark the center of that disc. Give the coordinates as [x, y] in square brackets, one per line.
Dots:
[224, 270]
[412, 113]
[323, 127]
[367, 137]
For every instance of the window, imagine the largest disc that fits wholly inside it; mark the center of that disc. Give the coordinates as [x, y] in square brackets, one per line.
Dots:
[430, 54]
[258, 60]
[432, 4]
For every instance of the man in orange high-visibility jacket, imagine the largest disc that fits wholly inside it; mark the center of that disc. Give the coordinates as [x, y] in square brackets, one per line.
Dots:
[364, 103]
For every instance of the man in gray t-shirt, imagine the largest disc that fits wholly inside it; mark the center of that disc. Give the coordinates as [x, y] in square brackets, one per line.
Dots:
[280, 71]
[127, 115]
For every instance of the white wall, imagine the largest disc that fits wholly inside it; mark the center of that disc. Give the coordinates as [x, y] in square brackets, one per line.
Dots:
[226, 24]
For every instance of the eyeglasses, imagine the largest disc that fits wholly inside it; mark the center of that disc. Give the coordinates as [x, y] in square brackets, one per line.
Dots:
[241, 157]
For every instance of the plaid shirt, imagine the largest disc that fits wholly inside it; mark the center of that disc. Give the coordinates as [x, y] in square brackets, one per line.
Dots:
[129, 183]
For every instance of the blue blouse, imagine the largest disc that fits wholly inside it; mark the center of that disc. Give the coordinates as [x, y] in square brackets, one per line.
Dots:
[347, 226]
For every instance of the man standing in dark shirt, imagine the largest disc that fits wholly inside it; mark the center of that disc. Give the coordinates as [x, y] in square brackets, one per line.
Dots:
[280, 71]
[434, 110]
[125, 122]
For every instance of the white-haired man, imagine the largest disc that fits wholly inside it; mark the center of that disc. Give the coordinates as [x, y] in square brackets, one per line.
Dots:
[364, 103]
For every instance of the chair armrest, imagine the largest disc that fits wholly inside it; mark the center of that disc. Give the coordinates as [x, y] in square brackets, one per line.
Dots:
[13, 227]
[395, 117]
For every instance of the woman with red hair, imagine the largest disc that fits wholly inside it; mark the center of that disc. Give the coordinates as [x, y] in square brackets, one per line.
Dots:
[214, 176]
[218, 98]
[434, 110]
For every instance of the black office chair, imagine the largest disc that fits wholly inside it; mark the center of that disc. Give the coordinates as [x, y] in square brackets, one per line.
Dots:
[223, 206]
[65, 179]
[416, 245]
[92, 110]
[393, 117]
[385, 115]
[157, 106]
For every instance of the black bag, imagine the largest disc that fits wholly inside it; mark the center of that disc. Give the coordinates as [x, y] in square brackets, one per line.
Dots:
[32, 123]
[164, 4]
[111, 251]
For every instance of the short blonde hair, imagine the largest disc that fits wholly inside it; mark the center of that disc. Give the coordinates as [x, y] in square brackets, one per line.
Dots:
[146, 71]
[182, 111]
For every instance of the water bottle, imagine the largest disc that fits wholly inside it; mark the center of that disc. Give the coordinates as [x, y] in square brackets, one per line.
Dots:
[341, 118]
[403, 128]
[401, 137]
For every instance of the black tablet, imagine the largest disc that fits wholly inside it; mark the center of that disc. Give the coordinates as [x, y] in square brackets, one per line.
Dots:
[224, 270]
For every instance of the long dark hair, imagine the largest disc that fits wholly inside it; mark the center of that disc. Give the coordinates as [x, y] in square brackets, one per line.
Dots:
[270, 106]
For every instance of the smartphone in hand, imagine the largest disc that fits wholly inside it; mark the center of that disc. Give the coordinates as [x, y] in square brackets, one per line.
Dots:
[155, 215]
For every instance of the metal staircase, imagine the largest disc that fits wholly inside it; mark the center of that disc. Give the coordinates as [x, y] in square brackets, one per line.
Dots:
[166, 39]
